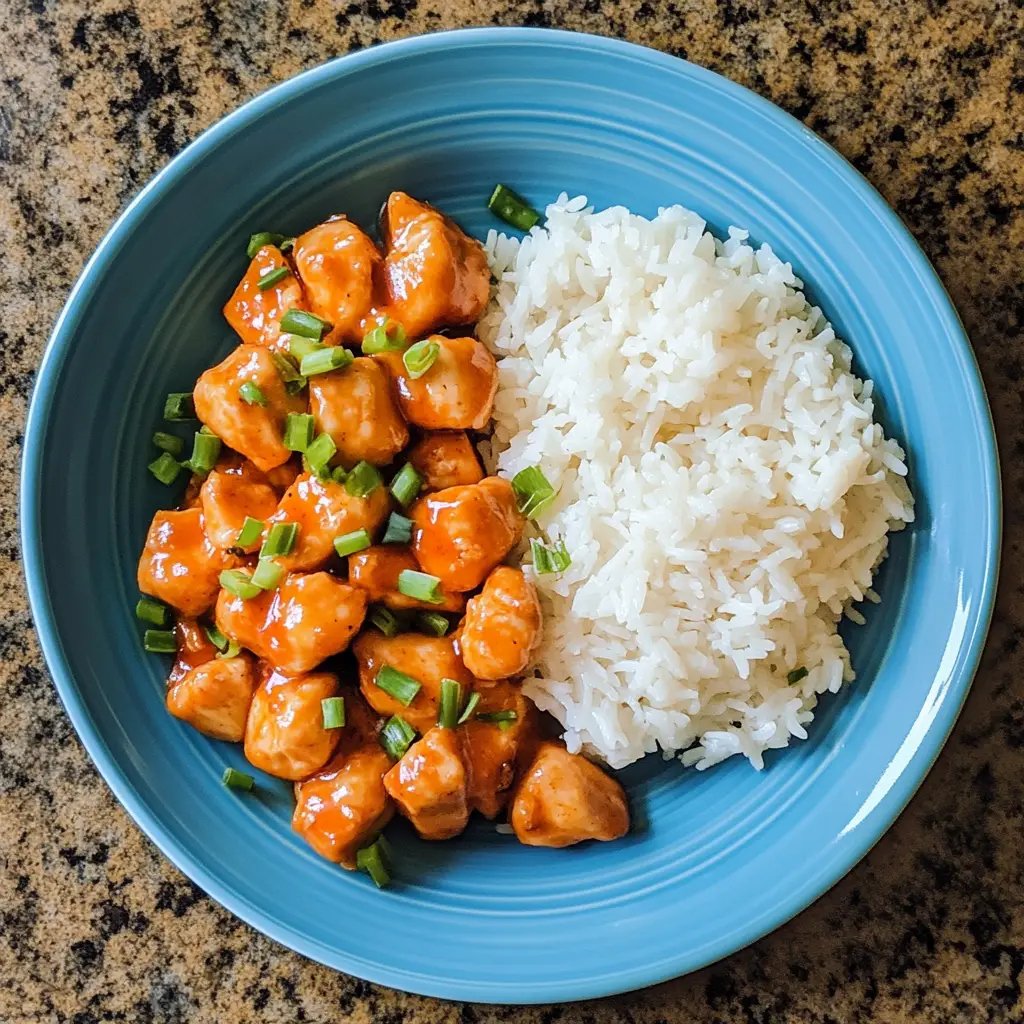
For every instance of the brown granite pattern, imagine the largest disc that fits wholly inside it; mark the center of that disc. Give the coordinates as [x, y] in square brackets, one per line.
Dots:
[926, 97]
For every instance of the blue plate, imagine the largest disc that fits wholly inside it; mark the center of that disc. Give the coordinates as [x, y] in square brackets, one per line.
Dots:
[724, 856]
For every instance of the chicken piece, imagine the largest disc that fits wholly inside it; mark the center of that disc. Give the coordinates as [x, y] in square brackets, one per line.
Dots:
[254, 430]
[493, 751]
[356, 407]
[445, 458]
[427, 659]
[195, 648]
[342, 808]
[563, 799]
[227, 499]
[282, 477]
[429, 785]
[256, 315]
[377, 569]
[215, 697]
[503, 626]
[324, 510]
[456, 393]
[336, 262]
[284, 733]
[435, 274]
[179, 565]
[307, 619]
[461, 533]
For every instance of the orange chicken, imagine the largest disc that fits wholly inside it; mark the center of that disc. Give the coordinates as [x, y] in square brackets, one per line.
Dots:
[214, 697]
[445, 458]
[377, 569]
[502, 627]
[255, 314]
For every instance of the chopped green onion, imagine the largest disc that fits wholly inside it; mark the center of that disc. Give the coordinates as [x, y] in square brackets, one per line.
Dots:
[306, 325]
[294, 382]
[397, 684]
[420, 585]
[371, 859]
[512, 208]
[298, 431]
[319, 454]
[337, 357]
[433, 623]
[533, 491]
[270, 279]
[260, 239]
[406, 485]
[420, 357]
[300, 347]
[505, 726]
[178, 406]
[362, 480]
[286, 244]
[217, 638]
[251, 531]
[251, 393]
[451, 701]
[237, 780]
[168, 443]
[397, 736]
[232, 650]
[205, 452]
[280, 540]
[497, 716]
[350, 543]
[399, 530]
[467, 711]
[384, 619]
[796, 675]
[339, 474]
[149, 609]
[549, 559]
[379, 340]
[159, 641]
[267, 575]
[165, 468]
[333, 710]
[239, 583]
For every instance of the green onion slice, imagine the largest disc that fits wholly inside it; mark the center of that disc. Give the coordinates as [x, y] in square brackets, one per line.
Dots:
[159, 641]
[420, 586]
[294, 382]
[497, 716]
[299, 347]
[237, 780]
[533, 491]
[397, 736]
[549, 559]
[433, 623]
[149, 609]
[797, 674]
[165, 468]
[236, 582]
[333, 709]
[205, 452]
[319, 454]
[372, 860]
[260, 239]
[362, 480]
[178, 406]
[168, 443]
[399, 530]
[298, 431]
[267, 575]
[251, 531]
[270, 279]
[251, 393]
[232, 650]
[280, 540]
[512, 208]
[467, 711]
[451, 701]
[306, 325]
[337, 357]
[350, 543]
[389, 338]
[406, 485]
[217, 638]
[420, 357]
[384, 619]
[397, 684]
[339, 474]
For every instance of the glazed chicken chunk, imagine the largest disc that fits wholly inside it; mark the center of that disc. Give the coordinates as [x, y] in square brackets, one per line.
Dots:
[502, 628]
[461, 533]
[307, 619]
[377, 569]
[254, 430]
[429, 785]
[563, 799]
[227, 498]
[445, 458]
[256, 314]
[214, 697]
[194, 649]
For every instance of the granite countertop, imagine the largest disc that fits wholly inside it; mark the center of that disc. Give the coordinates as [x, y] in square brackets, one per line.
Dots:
[926, 97]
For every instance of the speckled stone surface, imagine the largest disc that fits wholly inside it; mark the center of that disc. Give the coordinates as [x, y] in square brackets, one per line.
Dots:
[926, 97]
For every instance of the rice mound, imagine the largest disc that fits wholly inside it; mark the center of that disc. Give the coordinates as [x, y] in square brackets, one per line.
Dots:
[723, 490]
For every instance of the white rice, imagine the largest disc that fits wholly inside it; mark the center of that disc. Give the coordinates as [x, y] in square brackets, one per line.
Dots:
[723, 490]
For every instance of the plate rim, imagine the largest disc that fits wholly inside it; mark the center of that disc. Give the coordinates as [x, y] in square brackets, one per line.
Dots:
[57, 348]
